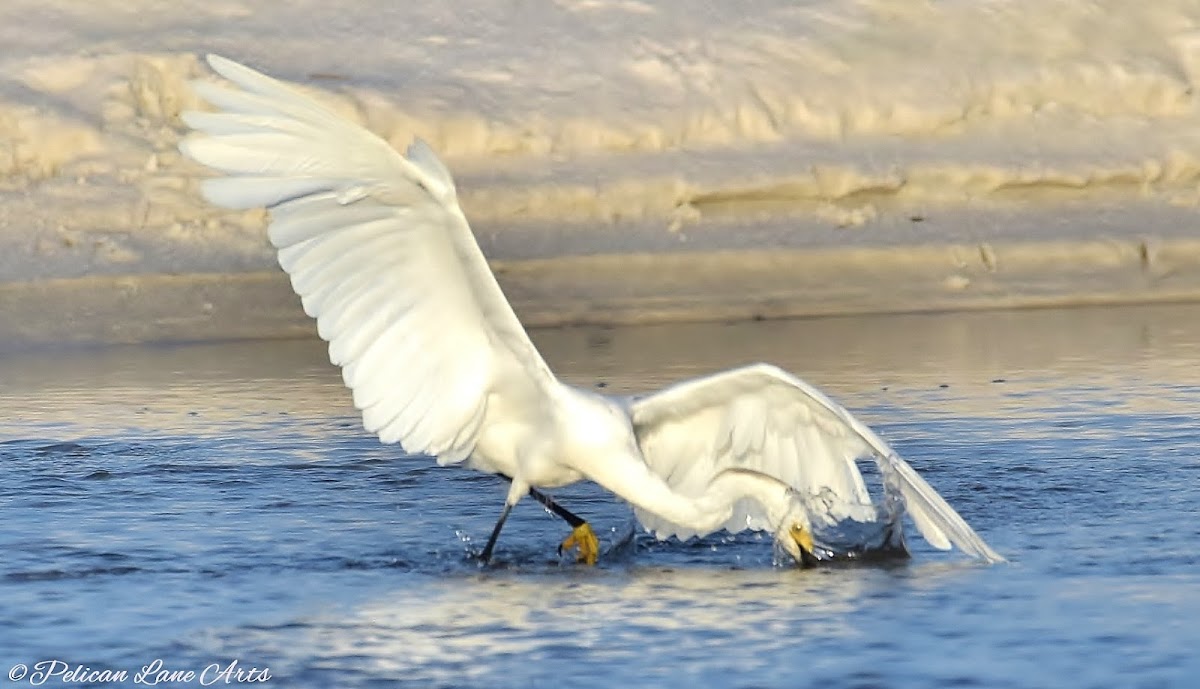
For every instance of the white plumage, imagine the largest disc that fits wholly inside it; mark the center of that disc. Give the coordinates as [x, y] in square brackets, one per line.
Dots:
[383, 258]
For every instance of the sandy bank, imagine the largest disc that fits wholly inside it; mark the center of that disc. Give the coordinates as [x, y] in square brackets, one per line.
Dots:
[644, 286]
[625, 161]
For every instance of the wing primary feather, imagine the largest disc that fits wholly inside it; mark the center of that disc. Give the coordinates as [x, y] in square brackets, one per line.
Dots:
[933, 515]
[249, 103]
[351, 330]
[288, 229]
[245, 193]
[272, 94]
[325, 251]
[333, 299]
[220, 123]
[466, 436]
[409, 413]
[340, 265]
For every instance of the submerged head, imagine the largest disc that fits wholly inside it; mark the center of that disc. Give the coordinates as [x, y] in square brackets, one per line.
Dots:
[796, 538]
[784, 506]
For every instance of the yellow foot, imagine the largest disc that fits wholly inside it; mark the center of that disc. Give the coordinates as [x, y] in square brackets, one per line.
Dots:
[585, 540]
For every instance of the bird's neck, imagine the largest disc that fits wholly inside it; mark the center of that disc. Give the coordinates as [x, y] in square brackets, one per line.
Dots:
[731, 485]
[712, 510]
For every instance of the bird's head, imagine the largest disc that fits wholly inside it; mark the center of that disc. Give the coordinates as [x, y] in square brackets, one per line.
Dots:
[795, 536]
[784, 505]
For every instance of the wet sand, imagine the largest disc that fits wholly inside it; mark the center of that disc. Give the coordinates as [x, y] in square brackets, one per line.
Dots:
[626, 275]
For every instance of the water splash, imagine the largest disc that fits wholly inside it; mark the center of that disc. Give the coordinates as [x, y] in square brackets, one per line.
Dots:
[846, 530]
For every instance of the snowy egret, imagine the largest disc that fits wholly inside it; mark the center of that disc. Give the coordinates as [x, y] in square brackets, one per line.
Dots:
[383, 258]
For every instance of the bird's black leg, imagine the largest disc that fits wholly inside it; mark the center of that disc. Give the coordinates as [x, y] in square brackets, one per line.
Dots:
[486, 555]
[582, 536]
[556, 508]
[571, 518]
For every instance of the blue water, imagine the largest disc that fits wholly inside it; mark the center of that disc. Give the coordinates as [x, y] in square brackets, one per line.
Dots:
[208, 504]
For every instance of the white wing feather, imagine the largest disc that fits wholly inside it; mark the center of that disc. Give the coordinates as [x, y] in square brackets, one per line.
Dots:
[762, 418]
[379, 252]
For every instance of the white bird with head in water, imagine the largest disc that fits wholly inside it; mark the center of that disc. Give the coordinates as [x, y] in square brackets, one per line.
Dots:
[383, 258]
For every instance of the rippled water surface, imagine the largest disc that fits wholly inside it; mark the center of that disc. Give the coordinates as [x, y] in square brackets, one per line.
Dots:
[210, 504]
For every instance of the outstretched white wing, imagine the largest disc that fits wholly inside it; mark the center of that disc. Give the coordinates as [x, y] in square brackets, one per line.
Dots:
[762, 418]
[379, 252]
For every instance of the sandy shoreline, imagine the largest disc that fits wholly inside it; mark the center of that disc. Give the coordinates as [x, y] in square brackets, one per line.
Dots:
[621, 288]
[624, 161]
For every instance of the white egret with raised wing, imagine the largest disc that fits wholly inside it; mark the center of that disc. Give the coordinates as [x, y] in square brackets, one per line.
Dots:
[383, 258]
